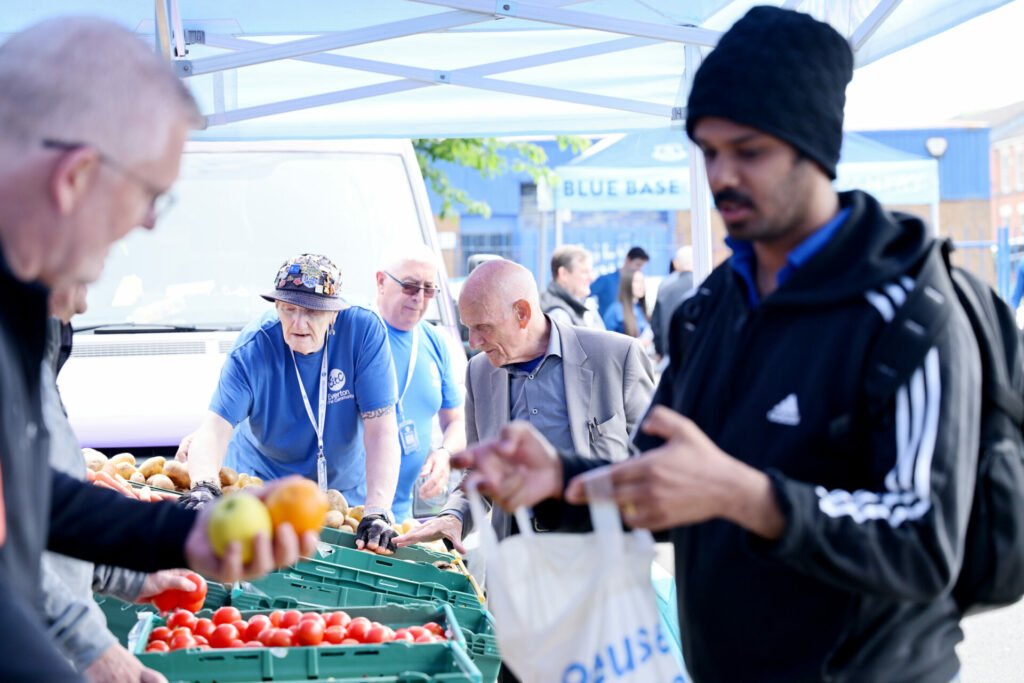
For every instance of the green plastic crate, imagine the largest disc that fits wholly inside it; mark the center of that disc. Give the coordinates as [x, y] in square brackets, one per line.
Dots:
[347, 539]
[483, 650]
[318, 571]
[123, 616]
[390, 565]
[403, 661]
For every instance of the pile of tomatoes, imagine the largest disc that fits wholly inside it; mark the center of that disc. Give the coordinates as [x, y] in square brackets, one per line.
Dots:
[289, 628]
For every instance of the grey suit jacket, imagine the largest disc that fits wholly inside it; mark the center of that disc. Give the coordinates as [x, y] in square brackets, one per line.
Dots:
[608, 378]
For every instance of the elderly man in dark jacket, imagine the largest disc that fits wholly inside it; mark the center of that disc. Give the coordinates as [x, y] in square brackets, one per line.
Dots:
[565, 299]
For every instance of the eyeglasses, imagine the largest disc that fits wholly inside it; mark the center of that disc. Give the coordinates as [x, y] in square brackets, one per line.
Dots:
[160, 201]
[410, 288]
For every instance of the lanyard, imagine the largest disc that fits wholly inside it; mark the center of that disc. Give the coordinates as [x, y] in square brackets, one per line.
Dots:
[412, 366]
[318, 427]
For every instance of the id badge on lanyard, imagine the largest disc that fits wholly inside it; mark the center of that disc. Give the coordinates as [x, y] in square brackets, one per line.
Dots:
[407, 436]
[318, 422]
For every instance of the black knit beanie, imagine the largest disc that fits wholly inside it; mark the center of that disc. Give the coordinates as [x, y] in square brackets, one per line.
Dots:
[783, 73]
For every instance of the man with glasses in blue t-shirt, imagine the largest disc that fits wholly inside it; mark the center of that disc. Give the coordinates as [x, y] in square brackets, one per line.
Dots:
[308, 389]
[427, 386]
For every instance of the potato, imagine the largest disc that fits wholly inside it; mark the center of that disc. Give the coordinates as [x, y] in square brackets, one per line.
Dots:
[94, 460]
[255, 481]
[137, 477]
[125, 469]
[110, 468]
[178, 473]
[160, 481]
[408, 525]
[123, 457]
[356, 513]
[230, 488]
[337, 501]
[228, 477]
[349, 528]
[349, 521]
[153, 466]
[334, 519]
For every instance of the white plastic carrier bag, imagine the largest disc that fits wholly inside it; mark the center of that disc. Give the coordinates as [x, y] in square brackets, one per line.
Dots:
[577, 608]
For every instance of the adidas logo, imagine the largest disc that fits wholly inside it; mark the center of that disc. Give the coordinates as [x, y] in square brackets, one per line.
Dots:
[785, 412]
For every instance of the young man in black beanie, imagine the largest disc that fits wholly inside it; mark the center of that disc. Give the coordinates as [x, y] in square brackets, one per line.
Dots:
[806, 550]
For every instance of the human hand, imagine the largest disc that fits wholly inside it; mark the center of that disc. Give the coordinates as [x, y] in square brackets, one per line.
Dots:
[442, 526]
[687, 480]
[518, 469]
[375, 533]
[200, 495]
[117, 665]
[268, 553]
[436, 471]
[181, 455]
[168, 579]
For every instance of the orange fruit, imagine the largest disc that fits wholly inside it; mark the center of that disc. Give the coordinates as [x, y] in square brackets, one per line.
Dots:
[298, 502]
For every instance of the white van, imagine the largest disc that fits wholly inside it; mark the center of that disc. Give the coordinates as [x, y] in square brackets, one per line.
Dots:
[148, 353]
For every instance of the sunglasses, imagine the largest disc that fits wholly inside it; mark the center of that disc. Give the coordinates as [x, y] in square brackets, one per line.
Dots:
[410, 288]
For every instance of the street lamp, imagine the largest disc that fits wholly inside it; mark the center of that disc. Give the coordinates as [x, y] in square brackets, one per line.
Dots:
[936, 146]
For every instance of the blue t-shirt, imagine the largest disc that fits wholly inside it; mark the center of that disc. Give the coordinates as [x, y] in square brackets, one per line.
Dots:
[259, 394]
[431, 387]
[614, 322]
[606, 289]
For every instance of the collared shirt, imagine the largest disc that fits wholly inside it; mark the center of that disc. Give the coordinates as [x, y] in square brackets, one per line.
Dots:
[744, 261]
[537, 394]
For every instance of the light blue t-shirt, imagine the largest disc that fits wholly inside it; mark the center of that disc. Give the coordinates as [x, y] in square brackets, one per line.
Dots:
[259, 394]
[606, 289]
[614, 322]
[431, 388]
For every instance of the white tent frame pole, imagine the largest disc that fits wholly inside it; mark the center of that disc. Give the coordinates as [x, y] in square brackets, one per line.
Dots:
[468, 77]
[871, 23]
[587, 20]
[163, 33]
[700, 195]
[179, 34]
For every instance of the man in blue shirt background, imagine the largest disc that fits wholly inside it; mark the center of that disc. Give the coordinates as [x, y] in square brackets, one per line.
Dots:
[335, 427]
[427, 387]
[606, 287]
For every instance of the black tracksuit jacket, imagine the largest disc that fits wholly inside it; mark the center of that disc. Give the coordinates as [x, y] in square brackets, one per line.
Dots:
[41, 508]
[857, 588]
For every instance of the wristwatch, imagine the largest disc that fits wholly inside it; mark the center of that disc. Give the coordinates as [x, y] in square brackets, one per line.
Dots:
[380, 512]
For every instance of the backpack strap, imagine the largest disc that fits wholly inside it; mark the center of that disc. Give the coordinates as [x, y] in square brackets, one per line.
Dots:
[904, 342]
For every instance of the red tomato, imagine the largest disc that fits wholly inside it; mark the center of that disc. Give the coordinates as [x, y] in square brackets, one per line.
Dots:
[204, 627]
[265, 634]
[434, 628]
[290, 618]
[254, 643]
[280, 637]
[403, 634]
[237, 642]
[158, 646]
[376, 634]
[425, 638]
[256, 626]
[337, 619]
[313, 616]
[181, 618]
[201, 640]
[223, 635]
[242, 626]
[180, 631]
[311, 632]
[226, 615]
[334, 634]
[275, 618]
[350, 641]
[182, 642]
[160, 633]
[416, 631]
[172, 599]
[357, 630]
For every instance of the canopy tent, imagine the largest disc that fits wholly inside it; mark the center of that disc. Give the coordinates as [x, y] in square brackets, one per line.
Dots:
[649, 170]
[441, 68]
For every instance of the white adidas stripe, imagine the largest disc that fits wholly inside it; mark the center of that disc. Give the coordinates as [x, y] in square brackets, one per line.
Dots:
[890, 297]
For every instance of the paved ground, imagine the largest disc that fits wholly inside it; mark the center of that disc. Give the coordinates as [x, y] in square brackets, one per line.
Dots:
[993, 647]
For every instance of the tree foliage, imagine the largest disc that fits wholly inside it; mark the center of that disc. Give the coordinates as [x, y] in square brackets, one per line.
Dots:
[490, 157]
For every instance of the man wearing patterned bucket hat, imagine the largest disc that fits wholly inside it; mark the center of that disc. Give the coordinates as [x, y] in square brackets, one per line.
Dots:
[309, 388]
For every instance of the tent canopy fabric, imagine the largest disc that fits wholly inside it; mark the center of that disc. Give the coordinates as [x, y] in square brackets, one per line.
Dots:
[437, 68]
[649, 170]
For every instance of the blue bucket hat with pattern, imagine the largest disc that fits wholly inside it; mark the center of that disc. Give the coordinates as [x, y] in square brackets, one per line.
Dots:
[308, 280]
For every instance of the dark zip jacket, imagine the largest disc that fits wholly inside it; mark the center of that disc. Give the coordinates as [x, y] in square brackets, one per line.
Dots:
[857, 588]
[41, 508]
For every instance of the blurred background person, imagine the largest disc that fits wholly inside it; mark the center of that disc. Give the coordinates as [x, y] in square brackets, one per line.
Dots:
[565, 299]
[427, 386]
[628, 314]
[671, 292]
[606, 287]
